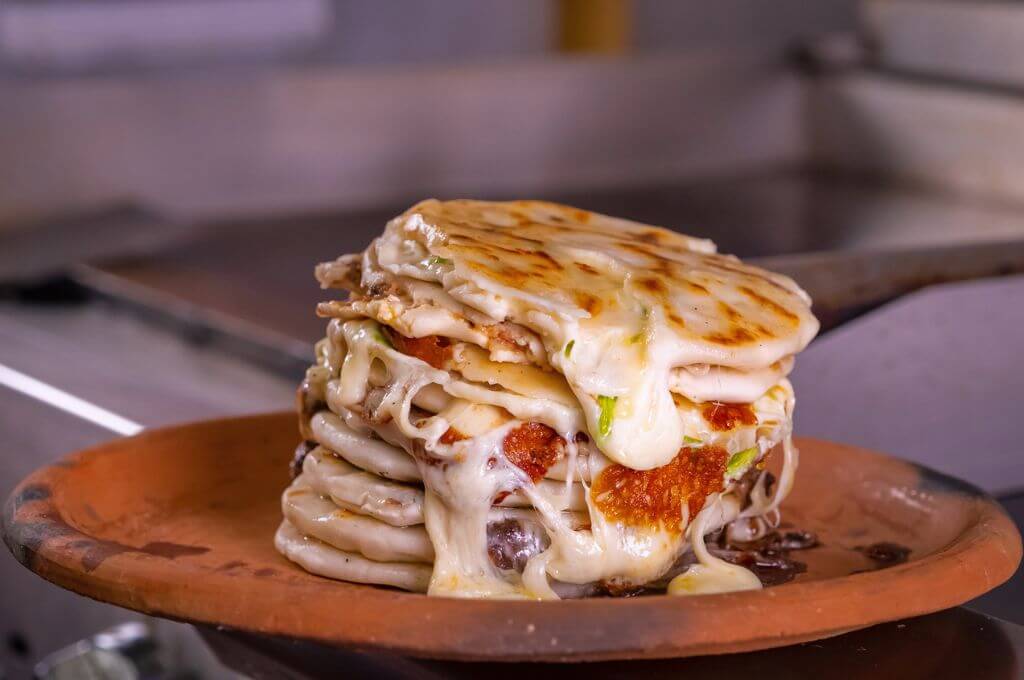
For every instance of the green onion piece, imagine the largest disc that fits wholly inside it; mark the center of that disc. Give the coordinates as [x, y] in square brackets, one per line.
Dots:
[740, 461]
[691, 440]
[439, 260]
[607, 404]
[568, 347]
[379, 336]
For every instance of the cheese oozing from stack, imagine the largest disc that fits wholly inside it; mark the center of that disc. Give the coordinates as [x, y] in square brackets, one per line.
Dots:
[525, 399]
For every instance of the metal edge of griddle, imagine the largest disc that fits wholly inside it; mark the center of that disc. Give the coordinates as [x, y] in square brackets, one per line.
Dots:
[114, 229]
[259, 346]
[844, 284]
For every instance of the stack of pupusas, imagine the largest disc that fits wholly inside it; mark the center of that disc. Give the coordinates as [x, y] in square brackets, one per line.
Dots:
[528, 400]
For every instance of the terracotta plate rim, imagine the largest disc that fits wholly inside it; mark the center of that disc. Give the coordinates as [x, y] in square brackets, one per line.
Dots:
[979, 559]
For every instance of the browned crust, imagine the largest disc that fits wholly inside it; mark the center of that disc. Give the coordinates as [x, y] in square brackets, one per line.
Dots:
[654, 498]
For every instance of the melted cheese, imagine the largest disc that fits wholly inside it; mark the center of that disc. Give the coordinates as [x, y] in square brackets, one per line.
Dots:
[460, 488]
[419, 309]
[459, 494]
[718, 383]
[365, 344]
[412, 321]
[365, 493]
[636, 302]
[587, 324]
[474, 365]
[607, 551]
[712, 574]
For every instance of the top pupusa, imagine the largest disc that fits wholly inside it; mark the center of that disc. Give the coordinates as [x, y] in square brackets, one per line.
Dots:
[617, 304]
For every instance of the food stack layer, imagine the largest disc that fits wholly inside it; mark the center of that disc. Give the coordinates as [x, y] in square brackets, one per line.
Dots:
[527, 400]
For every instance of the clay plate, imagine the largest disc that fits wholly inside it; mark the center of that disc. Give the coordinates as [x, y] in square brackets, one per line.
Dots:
[179, 523]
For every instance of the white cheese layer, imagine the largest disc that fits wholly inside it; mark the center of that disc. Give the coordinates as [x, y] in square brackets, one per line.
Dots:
[618, 306]
[462, 479]
[553, 316]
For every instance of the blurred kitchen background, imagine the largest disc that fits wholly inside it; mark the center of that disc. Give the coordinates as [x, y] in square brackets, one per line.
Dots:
[171, 171]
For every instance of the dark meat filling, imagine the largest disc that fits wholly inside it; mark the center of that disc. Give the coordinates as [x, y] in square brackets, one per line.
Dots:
[511, 543]
[301, 451]
[768, 557]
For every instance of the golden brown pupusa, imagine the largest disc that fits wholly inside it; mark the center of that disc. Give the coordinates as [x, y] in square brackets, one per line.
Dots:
[619, 307]
[594, 264]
